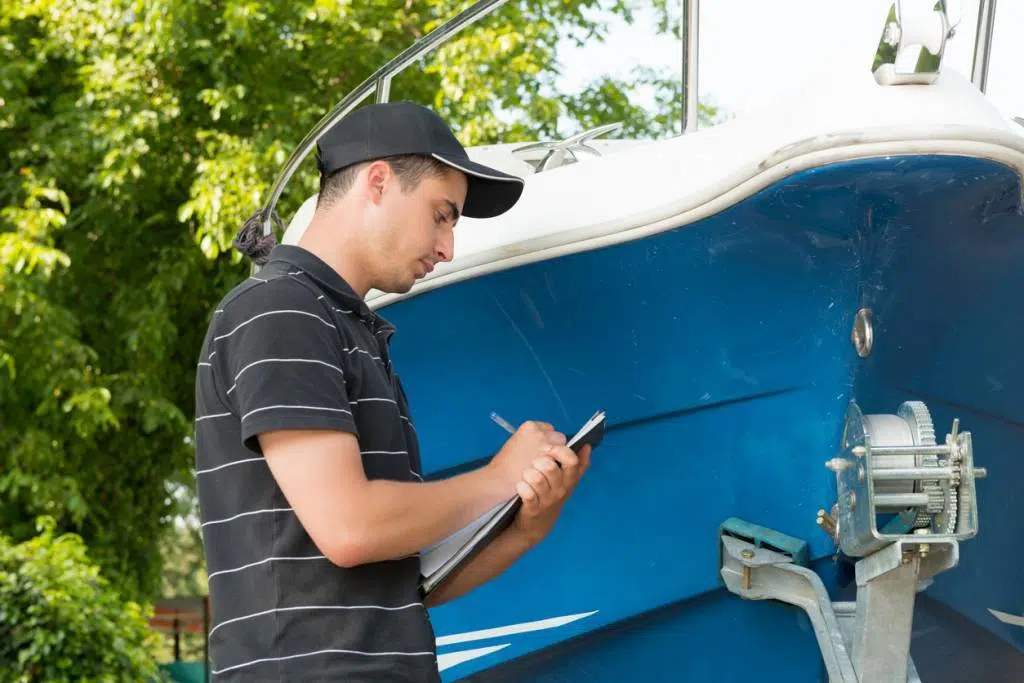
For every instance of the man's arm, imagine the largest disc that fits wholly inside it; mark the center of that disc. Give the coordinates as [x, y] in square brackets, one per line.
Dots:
[544, 490]
[283, 364]
[355, 521]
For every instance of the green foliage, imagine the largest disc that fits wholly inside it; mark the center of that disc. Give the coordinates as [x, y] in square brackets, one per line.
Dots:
[61, 621]
[136, 137]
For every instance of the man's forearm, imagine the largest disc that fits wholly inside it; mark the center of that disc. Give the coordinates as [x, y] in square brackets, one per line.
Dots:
[492, 561]
[395, 519]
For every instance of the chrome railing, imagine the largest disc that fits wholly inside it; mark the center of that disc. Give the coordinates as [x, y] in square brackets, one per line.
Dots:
[380, 83]
[689, 31]
[983, 43]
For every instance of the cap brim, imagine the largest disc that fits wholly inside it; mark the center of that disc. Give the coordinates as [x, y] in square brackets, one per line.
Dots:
[490, 193]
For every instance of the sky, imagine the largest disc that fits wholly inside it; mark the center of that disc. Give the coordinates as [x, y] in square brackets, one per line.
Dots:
[747, 46]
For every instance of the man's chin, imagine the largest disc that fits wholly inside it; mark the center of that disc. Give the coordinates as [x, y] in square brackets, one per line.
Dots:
[399, 287]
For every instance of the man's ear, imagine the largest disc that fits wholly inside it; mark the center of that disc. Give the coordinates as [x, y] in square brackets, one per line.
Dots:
[377, 175]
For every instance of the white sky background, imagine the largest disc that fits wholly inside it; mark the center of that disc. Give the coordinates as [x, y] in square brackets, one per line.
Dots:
[750, 48]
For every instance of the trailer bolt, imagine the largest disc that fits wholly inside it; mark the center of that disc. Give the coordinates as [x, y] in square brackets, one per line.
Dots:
[922, 549]
[838, 464]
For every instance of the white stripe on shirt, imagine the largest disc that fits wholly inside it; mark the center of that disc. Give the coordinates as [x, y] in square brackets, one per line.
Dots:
[333, 410]
[313, 607]
[374, 400]
[246, 514]
[282, 360]
[229, 464]
[322, 652]
[269, 559]
[359, 350]
[260, 315]
[210, 417]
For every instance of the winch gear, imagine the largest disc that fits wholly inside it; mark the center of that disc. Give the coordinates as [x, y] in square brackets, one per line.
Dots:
[946, 521]
[922, 428]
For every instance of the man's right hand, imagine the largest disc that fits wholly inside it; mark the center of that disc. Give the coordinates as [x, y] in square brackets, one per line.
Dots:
[532, 440]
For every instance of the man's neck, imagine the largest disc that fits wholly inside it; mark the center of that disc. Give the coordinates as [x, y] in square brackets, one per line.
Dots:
[339, 251]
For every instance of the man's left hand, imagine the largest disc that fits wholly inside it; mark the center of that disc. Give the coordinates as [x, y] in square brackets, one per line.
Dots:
[545, 487]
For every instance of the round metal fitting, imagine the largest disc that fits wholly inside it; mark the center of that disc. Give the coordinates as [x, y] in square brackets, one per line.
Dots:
[863, 335]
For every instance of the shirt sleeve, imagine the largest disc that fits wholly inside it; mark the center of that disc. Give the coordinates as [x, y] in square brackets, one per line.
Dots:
[285, 363]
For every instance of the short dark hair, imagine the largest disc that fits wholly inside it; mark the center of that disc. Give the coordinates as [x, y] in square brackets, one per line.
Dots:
[410, 169]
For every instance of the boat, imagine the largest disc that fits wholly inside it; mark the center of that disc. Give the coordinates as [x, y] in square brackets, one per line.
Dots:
[803, 327]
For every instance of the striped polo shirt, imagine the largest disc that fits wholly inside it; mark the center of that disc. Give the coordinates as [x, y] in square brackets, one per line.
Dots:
[295, 348]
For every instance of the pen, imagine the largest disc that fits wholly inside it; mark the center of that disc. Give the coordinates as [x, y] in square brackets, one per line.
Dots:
[501, 422]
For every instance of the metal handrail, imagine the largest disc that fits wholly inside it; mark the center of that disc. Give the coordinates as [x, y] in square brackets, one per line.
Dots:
[983, 43]
[379, 81]
[689, 32]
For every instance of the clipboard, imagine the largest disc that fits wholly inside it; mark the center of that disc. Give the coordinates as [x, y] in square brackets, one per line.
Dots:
[439, 561]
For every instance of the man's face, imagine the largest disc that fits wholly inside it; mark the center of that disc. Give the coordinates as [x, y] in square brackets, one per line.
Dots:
[416, 228]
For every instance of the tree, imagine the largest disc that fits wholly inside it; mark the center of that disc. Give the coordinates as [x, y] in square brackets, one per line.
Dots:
[62, 621]
[137, 137]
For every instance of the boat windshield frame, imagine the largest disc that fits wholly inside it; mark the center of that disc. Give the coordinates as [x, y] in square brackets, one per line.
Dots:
[378, 82]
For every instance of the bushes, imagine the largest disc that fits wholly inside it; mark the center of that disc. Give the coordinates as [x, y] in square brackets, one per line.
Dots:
[61, 621]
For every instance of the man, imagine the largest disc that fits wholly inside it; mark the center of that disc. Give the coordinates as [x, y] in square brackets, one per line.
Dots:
[308, 471]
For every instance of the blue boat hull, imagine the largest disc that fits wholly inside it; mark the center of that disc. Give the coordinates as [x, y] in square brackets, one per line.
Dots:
[721, 351]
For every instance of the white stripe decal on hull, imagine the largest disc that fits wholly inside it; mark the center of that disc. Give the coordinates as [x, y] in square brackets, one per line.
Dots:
[512, 629]
[1007, 618]
[450, 659]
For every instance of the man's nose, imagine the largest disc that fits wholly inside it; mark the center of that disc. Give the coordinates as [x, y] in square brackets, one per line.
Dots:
[446, 245]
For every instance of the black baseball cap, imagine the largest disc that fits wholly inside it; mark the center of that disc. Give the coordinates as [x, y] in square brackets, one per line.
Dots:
[376, 131]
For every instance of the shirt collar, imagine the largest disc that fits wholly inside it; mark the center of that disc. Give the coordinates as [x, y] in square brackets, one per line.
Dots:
[329, 279]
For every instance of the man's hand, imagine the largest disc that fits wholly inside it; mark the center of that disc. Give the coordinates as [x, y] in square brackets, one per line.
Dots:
[531, 441]
[544, 471]
[544, 489]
